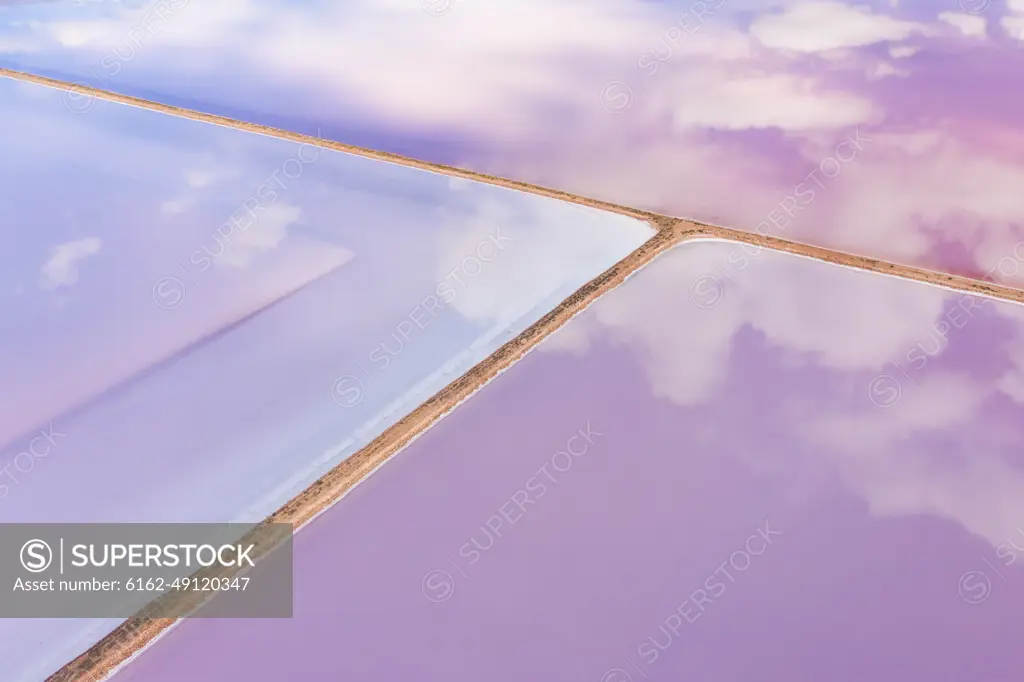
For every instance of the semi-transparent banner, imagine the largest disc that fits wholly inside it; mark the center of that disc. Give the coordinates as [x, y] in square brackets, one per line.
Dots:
[152, 570]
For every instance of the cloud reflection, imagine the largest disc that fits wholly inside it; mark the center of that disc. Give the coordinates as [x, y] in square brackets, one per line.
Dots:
[719, 107]
[183, 359]
[830, 330]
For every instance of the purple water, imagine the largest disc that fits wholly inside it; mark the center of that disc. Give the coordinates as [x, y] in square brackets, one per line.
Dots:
[789, 474]
[197, 322]
[889, 129]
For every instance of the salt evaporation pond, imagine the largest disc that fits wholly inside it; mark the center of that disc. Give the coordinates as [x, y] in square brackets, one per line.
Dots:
[898, 140]
[798, 471]
[196, 322]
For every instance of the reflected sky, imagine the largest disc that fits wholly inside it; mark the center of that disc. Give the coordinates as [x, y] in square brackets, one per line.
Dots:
[195, 322]
[817, 468]
[886, 127]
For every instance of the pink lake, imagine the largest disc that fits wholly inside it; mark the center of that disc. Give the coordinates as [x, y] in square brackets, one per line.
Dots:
[797, 472]
[888, 129]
